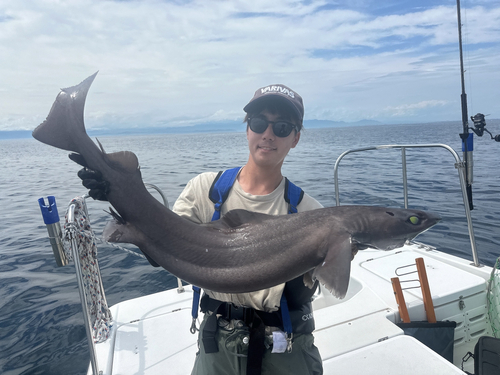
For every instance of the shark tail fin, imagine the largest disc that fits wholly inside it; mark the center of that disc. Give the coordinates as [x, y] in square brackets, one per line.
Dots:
[64, 124]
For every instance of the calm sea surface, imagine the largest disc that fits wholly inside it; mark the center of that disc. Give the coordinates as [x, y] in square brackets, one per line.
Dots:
[41, 329]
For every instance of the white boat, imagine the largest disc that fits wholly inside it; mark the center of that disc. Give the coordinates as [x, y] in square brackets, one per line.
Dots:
[358, 334]
[355, 335]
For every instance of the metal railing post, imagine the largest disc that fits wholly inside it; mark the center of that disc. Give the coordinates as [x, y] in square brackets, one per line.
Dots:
[76, 258]
[461, 175]
[405, 183]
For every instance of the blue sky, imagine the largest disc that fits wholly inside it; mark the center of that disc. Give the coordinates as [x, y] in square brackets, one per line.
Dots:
[175, 63]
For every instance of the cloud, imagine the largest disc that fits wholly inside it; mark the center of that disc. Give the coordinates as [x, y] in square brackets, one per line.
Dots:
[410, 109]
[164, 60]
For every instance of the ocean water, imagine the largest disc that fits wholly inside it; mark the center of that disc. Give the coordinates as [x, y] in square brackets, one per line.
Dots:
[41, 324]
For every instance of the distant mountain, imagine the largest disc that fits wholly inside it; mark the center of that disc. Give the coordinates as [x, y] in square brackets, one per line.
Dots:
[316, 124]
[366, 122]
[15, 134]
[209, 127]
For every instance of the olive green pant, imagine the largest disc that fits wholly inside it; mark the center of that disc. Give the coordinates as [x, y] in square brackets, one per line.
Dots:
[231, 359]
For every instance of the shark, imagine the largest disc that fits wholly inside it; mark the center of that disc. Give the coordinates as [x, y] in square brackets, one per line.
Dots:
[243, 251]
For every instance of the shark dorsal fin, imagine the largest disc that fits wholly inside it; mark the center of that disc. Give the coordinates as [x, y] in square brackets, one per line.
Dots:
[237, 218]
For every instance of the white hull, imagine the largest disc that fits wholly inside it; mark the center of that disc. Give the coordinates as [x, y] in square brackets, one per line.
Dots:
[150, 335]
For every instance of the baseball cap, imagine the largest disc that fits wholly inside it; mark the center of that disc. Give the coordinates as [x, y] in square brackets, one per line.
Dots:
[280, 92]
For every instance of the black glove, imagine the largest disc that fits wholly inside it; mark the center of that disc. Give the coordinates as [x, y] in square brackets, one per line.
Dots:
[99, 188]
[93, 180]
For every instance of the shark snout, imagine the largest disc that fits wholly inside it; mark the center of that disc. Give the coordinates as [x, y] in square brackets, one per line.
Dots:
[432, 219]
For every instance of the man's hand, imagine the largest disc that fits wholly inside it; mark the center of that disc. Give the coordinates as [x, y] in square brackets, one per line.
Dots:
[92, 180]
[99, 189]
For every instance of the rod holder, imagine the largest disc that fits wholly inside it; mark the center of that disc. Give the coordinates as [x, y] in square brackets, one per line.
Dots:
[51, 220]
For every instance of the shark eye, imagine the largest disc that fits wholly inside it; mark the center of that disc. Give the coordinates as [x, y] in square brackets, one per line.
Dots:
[414, 220]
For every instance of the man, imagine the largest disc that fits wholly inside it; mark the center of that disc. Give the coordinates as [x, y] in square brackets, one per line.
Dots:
[267, 331]
[274, 121]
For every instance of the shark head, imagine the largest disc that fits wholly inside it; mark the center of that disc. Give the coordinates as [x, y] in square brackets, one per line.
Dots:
[394, 227]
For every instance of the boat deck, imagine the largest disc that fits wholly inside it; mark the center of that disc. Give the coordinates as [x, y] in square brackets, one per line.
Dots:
[151, 334]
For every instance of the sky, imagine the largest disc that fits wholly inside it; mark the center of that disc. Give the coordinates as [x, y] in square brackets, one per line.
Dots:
[177, 63]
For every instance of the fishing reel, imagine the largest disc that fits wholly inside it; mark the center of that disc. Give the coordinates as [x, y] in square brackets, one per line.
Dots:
[480, 126]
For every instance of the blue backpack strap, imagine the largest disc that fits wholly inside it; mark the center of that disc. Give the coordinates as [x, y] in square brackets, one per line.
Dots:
[293, 196]
[218, 194]
[287, 321]
[220, 189]
[195, 307]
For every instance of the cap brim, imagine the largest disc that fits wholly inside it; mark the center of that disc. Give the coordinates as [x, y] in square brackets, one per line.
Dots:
[253, 103]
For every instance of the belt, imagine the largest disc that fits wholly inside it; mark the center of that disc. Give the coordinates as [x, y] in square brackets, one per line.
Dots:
[228, 311]
[301, 317]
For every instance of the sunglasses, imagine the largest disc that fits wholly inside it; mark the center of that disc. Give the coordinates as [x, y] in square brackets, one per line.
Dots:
[281, 129]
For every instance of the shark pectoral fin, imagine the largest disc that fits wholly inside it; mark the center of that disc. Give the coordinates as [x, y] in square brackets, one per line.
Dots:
[308, 279]
[118, 230]
[334, 272]
[115, 231]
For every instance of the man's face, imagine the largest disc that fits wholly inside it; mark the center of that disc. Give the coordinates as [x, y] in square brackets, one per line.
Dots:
[268, 150]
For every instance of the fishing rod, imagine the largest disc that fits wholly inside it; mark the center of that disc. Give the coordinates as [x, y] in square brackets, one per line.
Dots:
[478, 121]
[467, 138]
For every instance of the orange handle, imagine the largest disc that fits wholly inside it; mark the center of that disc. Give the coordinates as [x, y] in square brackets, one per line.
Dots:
[426, 292]
[400, 299]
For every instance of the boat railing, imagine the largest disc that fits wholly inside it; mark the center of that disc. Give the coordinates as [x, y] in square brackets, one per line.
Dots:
[459, 165]
[69, 244]
[72, 233]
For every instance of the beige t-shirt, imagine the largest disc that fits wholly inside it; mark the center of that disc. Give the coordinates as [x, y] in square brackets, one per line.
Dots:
[195, 205]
